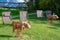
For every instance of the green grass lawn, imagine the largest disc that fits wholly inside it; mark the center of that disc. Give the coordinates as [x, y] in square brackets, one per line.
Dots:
[40, 30]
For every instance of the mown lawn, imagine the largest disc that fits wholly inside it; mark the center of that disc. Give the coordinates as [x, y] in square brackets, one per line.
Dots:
[40, 30]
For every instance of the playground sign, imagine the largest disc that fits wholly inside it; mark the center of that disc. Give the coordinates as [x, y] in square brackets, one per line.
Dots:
[39, 13]
[23, 15]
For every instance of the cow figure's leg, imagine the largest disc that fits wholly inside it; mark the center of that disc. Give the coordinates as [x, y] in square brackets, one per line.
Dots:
[14, 25]
[19, 33]
[51, 21]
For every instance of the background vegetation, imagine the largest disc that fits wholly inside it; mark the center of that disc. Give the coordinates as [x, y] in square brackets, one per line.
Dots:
[53, 5]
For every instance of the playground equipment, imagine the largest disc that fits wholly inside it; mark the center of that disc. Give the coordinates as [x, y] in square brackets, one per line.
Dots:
[6, 17]
[19, 26]
[23, 15]
[39, 13]
[49, 12]
[52, 17]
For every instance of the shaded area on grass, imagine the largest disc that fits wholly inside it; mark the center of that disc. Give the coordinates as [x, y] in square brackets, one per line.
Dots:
[4, 36]
[39, 20]
[56, 25]
[52, 27]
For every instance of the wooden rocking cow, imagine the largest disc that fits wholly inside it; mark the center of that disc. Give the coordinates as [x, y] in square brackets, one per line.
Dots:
[52, 17]
[19, 26]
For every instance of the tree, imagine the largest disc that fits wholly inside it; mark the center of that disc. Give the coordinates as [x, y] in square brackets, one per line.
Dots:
[57, 5]
[50, 5]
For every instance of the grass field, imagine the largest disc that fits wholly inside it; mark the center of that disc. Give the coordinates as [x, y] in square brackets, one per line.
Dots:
[40, 30]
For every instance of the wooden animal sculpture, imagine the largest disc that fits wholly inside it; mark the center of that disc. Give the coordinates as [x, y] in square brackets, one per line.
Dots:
[19, 26]
[52, 17]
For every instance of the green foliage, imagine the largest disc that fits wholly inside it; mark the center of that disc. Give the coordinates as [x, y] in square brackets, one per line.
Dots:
[57, 10]
[53, 5]
[14, 12]
[45, 4]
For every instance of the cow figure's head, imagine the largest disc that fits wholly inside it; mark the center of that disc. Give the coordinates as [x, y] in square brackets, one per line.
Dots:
[55, 17]
[26, 24]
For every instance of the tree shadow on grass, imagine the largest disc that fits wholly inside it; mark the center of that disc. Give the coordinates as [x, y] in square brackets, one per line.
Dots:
[39, 21]
[6, 36]
[55, 26]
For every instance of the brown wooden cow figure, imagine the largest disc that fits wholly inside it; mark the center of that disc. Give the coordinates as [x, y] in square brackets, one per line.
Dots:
[52, 17]
[19, 26]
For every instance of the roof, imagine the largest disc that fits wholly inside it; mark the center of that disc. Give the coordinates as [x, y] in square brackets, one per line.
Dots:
[13, 4]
